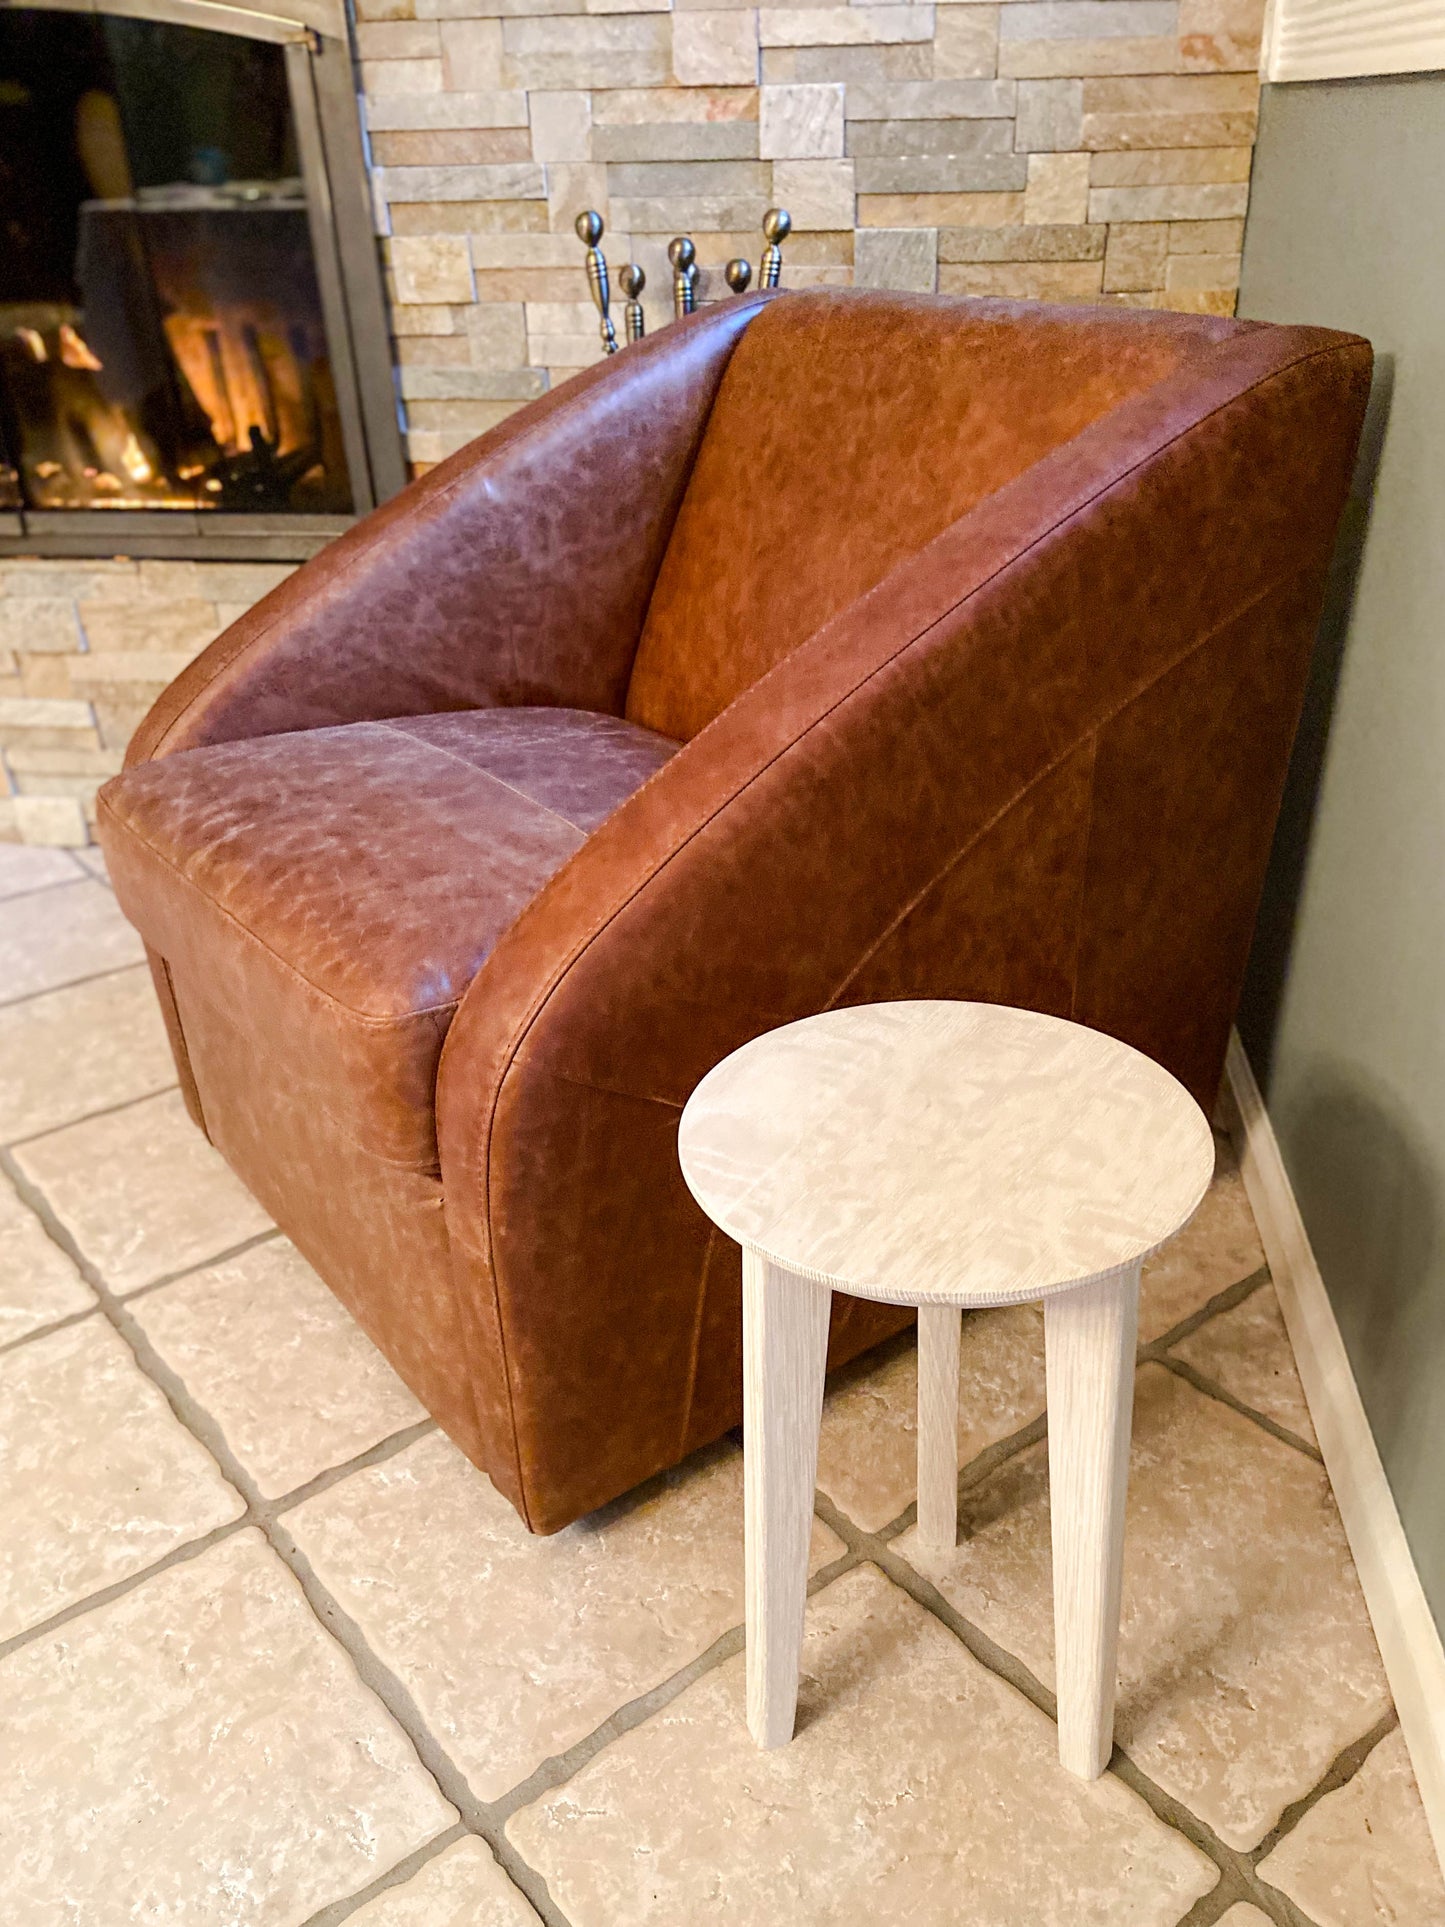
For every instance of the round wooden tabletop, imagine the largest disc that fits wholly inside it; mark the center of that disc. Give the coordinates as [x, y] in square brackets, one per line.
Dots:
[945, 1153]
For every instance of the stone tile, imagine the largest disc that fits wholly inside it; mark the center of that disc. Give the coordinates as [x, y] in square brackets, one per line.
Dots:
[432, 268]
[1176, 166]
[850, 26]
[916, 1778]
[868, 1449]
[1247, 1351]
[279, 1363]
[1025, 280]
[561, 125]
[51, 821]
[1050, 116]
[1076, 242]
[1135, 257]
[516, 1647]
[1058, 190]
[101, 1479]
[965, 43]
[462, 1887]
[59, 935]
[141, 1191]
[200, 1749]
[911, 60]
[939, 210]
[976, 174]
[1169, 110]
[1044, 59]
[803, 123]
[818, 194]
[620, 50]
[93, 859]
[23, 868]
[38, 1283]
[904, 258]
[1247, 1663]
[66, 1053]
[932, 100]
[1362, 1856]
[1217, 1248]
[716, 49]
[1184, 202]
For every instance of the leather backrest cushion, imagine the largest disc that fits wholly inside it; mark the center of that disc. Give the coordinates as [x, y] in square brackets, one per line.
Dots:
[849, 430]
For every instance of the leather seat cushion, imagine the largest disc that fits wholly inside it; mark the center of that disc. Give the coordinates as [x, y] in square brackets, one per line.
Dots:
[335, 891]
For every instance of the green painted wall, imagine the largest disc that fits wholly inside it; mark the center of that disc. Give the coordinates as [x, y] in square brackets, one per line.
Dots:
[1344, 1014]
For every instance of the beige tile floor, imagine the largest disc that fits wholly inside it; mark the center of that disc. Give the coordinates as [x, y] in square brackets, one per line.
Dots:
[273, 1653]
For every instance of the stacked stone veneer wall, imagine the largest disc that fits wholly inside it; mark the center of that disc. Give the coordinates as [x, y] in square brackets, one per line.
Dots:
[1076, 150]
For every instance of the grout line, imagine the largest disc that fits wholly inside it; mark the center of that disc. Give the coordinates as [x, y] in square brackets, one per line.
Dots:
[264, 1514]
[129, 1298]
[70, 983]
[86, 1117]
[47, 1331]
[339, 1910]
[82, 875]
[1181, 1368]
[177, 1556]
[223, 1257]
[1222, 1301]
[1340, 1771]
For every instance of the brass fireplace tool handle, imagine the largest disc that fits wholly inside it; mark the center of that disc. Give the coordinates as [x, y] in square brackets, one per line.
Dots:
[589, 233]
[683, 256]
[777, 226]
[633, 281]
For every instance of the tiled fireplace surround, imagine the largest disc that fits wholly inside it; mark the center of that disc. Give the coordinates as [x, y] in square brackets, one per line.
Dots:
[1078, 150]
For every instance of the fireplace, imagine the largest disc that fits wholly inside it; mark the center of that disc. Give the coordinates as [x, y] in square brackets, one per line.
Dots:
[193, 350]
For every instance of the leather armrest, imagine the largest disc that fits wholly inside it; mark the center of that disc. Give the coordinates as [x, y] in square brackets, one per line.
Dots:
[518, 571]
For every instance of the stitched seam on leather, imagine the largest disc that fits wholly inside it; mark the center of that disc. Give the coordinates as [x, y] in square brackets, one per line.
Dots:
[356, 1016]
[1078, 508]
[1021, 795]
[439, 750]
[1084, 875]
[522, 439]
[695, 1349]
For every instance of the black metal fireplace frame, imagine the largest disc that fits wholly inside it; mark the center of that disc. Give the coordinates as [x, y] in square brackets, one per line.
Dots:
[320, 77]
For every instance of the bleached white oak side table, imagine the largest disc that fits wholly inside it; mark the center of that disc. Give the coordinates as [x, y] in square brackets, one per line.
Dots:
[944, 1155]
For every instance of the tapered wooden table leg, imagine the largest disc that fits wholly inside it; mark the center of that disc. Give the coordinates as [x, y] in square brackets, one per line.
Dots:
[939, 1339]
[785, 1343]
[1090, 1336]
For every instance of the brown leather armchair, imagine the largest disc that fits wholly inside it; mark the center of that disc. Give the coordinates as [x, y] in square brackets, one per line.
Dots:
[824, 648]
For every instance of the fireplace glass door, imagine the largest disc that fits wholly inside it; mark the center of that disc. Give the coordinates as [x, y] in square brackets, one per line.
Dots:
[163, 341]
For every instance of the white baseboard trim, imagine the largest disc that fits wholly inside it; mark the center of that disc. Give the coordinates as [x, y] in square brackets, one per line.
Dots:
[1409, 1641]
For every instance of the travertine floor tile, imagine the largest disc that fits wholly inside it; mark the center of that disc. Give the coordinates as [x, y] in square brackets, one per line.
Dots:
[462, 1887]
[200, 1750]
[141, 1191]
[919, 1788]
[38, 1283]
[287, 1373]
[92, 858]
[100, 1479]
[868, 1451]
[1247, 1662]
[56, 936]
[1217, 1248]
[1362, 1856]
[23, 867]
[78, 1050]
[516, 1647]
[1247, 1351]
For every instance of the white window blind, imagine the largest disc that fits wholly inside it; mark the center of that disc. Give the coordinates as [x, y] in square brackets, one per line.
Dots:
[1329, 39]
